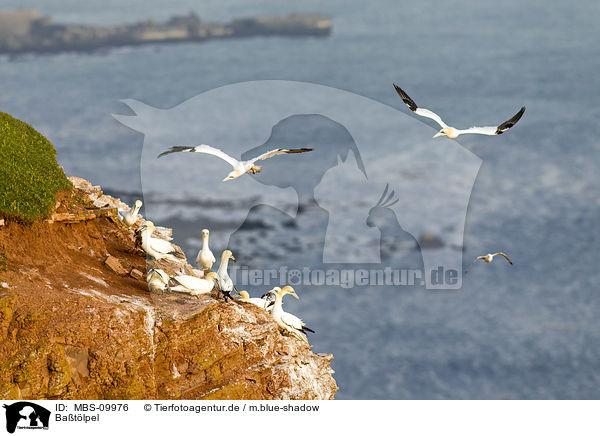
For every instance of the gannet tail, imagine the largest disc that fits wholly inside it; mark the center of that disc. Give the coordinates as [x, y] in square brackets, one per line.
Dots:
[307, 329]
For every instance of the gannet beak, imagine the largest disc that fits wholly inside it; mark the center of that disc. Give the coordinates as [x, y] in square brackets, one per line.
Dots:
[438, 134]
[233, 258]
[225, 179]
[295, 295]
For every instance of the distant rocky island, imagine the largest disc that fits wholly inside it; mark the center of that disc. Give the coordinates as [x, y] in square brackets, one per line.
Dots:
[23, 31]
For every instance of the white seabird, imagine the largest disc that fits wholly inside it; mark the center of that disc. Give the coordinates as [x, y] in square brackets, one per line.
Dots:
[452, 132]
[158, 248]
[194, 285]
[205, 258]
[287, 321]
[157, 280]
[263, 303]
[225, 283]
[239, 167]
[129, 217]
[489, 257]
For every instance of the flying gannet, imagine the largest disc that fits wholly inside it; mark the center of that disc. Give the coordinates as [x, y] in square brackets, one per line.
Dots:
[194, 285]
[452, 132]
[263, 303]
[225, 283]
[287, 321]
[157, 280]
[489, 257]
[129, 217]
[239, 167]
[205, 258]
[158, 248]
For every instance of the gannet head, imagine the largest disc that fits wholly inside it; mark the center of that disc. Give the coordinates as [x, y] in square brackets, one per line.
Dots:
[157, 274]
[227, 254]
[147, 225]
[205, 233]
[275, 290]
[244, 296]
[446, 131]
[138, 204]
[232, 175]
[489, 258]
[289, 290]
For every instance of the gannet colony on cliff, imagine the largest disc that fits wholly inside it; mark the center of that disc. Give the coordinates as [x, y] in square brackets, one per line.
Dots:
[205, 280]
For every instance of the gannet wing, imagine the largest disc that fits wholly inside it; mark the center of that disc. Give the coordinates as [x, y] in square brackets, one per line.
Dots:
[194, 283]
[277, 151]
[203, 148]
[161, 245]
[419, 110]
[509, 123]
[491, 130]
[479, 258]
[292, 321]
[295, 322]
[503, 255]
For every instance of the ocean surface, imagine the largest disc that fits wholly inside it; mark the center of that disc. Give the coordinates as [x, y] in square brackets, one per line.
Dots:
[526, 331]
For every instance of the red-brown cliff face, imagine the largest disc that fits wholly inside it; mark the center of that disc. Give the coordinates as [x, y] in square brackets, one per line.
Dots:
[74, 325]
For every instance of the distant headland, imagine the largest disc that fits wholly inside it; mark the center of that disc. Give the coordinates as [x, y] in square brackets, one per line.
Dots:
[25, 31]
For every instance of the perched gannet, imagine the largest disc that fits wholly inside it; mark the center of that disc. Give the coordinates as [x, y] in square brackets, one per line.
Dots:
[239, 167]
[225, 283]
[287, 321]
[205, 258]
[193, 285]
[452, 132]
[263, 303]
[129, 217]
[489, 257]
[157, 280]
[158, 248]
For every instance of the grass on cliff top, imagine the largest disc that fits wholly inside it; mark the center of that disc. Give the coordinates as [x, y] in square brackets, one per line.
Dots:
[30, 177]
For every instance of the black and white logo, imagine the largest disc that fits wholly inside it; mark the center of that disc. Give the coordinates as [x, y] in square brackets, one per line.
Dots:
[26, 415]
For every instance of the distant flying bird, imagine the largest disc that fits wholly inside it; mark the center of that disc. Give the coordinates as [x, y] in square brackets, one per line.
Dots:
[489, 257]
[452, 132]
[240, 167]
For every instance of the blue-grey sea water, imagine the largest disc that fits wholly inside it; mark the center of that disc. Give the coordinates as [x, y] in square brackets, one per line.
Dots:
[531, 330]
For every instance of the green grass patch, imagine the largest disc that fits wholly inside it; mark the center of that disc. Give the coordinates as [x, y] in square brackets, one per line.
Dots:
[30, 177]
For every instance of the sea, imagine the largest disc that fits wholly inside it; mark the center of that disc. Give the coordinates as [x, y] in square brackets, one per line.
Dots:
[530, 330]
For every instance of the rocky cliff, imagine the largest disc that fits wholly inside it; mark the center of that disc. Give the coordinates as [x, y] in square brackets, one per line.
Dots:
[77, 321]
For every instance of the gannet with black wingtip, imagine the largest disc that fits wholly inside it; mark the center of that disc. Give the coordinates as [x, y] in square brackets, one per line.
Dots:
[239, 167]
[452, 132]
[158, 248]
[129, 217]
[225, 283]
[489, 257]
[157, 280]
[263, 303]
[205, 258]
[193, 285]
[287, 321]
